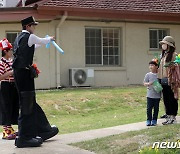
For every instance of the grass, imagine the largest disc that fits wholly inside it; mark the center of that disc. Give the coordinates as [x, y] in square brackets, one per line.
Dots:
[132, 142]
[74, 110]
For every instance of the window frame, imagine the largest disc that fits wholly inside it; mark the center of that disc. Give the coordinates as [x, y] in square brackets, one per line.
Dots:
[12, 32]
[119, 47]
[157, 29]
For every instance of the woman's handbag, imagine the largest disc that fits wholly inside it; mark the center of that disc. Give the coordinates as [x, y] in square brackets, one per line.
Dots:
[164, 81]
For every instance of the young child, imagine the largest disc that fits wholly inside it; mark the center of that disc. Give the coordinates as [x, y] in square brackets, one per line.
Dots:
[153, 97]
[10, 101]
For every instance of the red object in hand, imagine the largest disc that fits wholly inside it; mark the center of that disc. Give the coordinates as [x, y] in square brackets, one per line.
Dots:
[37, 70]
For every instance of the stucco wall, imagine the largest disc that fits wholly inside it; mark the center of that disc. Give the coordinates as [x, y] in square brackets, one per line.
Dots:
[134, 48]
[73, 42]
[137, 48]
[135, 53]
[44, 58]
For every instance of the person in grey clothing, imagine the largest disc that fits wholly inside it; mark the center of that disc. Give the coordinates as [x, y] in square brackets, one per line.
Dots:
[153, 97]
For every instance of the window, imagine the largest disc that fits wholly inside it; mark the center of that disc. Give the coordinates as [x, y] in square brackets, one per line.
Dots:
[11, 36]
[156, 35]
[102, 46]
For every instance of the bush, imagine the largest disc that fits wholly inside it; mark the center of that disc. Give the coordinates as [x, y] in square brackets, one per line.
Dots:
[149, 150]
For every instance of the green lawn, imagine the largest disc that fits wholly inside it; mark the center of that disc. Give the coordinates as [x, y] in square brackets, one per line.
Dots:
[133, 142]
[74, 110]
[79, 109]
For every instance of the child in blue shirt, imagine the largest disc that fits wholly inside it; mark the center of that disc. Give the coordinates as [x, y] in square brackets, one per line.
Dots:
[153, 97]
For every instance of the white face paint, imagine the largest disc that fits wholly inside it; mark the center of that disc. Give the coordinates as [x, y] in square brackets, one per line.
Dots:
[164, 46]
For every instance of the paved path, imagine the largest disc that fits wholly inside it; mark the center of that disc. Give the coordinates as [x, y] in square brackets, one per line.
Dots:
[59, 144]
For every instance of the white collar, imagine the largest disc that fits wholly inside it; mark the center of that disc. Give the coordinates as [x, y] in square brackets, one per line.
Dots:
[7, 60]
[25, 31]
[153, 73]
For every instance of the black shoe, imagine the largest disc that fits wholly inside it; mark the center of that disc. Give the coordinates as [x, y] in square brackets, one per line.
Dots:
[164, 116]
[168, 122]
[47, 135]
[40, 140]
[22, 143]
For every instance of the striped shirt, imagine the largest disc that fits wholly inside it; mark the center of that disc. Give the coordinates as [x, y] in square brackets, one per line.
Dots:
[6, 66]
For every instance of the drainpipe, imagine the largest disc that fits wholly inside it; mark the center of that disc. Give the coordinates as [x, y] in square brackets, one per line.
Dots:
[23, 3]
[63, 18]
[4, 3]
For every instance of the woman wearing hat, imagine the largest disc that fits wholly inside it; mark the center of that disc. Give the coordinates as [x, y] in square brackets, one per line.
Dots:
[33, 126]
[10, 101]
[168, 56]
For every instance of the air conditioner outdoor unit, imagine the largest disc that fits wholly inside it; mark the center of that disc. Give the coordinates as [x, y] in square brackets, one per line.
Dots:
[81, 77]
[2, 3]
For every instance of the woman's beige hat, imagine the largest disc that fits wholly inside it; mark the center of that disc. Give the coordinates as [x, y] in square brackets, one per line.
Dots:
[169, 40]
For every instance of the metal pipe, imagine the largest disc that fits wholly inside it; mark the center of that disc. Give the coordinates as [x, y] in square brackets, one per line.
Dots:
[23, 3]
[63, 18]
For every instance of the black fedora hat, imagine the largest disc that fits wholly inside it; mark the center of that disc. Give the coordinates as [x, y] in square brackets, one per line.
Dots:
[29, 21]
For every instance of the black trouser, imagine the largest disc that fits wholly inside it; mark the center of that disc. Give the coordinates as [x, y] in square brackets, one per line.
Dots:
[0, 107]
[152, 103]
[171, 104]
[10, 103]
[32, 119]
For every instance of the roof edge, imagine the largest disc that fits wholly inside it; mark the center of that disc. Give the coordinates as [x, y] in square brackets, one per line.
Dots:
[71, 9]
[111, 14]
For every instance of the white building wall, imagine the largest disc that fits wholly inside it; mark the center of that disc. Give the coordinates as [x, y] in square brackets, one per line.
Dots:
[137, 48]
[9, 3]
[44, 58]
[73, 43]
[134, 47]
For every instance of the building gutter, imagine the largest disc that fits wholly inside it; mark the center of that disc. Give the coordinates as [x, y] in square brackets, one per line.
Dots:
[58, 77]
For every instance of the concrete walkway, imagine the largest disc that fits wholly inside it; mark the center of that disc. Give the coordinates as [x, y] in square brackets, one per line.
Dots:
[59, 144]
